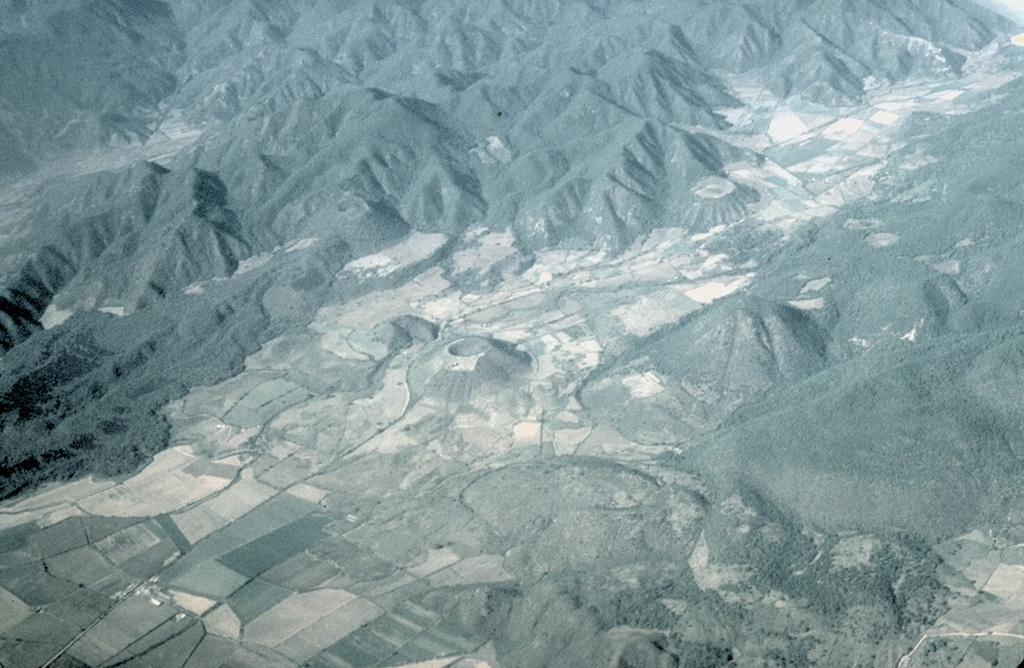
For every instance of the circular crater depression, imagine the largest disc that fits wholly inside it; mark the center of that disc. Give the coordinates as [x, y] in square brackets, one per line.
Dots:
[471, 366]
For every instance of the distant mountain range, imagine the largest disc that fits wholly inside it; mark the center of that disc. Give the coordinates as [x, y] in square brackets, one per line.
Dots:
[769, 246]
[586, 126]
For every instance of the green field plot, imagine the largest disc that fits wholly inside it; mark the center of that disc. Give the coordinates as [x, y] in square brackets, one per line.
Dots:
[166, 646]
[393, 630]
[265, 401]
[17, 537]
[255, 598]
[212, 651]
[240, 498]
[14, 545]
[420, 649]
[60, 537]
[433, 643]
[392, 598]
[377, 588]
[127, 543]
[303, 572]
[357, 561]
[329, 629]
[416, 615]
[150, 562]
[271, 549]
[35, 641]
[205, 550]
[448, 641]
[298, 648]
[173, 532]
[130, 620]
[363, 649]
[211, 579]
[80, 607]
[32, 584]
[399, 638]
[83, 566]
[204, 466]
[326, 660]
[273, 514]
[100, 527]
[174, 651]
[296, 613]
[255, 657]
[13, 610]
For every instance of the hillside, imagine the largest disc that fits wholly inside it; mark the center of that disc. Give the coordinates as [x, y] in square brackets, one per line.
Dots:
[526, 333]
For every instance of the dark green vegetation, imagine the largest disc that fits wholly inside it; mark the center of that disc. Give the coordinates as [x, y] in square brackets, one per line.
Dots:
[87, 396]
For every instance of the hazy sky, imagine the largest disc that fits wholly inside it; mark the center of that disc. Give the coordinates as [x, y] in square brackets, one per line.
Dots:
[1012, 9]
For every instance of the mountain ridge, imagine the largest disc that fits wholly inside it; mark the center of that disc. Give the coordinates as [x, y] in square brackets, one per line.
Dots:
[521, 334]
